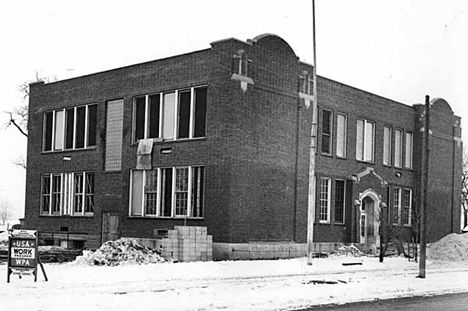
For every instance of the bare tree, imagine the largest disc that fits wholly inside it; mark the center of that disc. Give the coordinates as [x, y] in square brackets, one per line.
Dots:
[4, 211]
[464, 190]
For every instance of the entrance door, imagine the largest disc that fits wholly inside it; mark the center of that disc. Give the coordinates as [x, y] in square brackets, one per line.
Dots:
[110, 227]
[367, 222]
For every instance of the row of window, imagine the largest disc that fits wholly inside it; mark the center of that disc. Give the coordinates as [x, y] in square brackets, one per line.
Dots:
[402, 203]
[70, 128]
[167, 192]
[68, 194]
[365, 141]
[180, 114]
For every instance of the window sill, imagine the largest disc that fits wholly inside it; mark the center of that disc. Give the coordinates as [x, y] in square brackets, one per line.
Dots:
[178, 140]
[366, 162]
[165, 218]
[68, 150]
[71, 216]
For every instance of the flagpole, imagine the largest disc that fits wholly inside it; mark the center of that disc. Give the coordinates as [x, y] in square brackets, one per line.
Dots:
[313, 148]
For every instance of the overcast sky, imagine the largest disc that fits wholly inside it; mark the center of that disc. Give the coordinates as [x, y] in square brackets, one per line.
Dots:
[399, 49]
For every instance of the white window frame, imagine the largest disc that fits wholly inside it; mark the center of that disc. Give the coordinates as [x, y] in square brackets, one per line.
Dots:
[175, 129]
[159, 212]
[396, 219]
[66, 194]
[366, 157]
[341, 144]
[326, 200]
[387, 146]
[62, 133]
[409, 150]
[410, 207]
[398, 150]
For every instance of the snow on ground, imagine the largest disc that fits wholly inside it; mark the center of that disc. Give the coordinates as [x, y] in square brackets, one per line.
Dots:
[227, 285]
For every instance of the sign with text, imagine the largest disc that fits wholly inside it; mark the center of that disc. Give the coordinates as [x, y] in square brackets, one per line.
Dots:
[22, 253]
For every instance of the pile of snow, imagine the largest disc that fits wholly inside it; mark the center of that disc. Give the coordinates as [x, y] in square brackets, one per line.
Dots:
[453, 247]
[122, 251]
[348, 251]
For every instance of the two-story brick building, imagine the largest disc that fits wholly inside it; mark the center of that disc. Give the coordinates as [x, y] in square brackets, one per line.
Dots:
[221, 138]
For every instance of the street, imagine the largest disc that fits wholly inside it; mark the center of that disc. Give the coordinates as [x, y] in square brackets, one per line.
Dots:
[452, 302]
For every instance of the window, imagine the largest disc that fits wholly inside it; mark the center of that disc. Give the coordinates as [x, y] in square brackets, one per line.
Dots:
[409, 151]
[396, 205]
[68, 194]
[167, 192]
[306, 84]
[240, 63]
[341, 133]
[398, 148]
[70, 128]
[407, 204]
[325, 190]
[387, 145]
[173, 115]
[326, 131]
[365, 141]
[339, 201]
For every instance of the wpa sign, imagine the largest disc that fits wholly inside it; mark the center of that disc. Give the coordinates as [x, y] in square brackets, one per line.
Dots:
[22, 253]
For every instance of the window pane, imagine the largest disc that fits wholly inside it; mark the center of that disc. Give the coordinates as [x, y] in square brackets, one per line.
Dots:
[166, 192]
[92, 120]
[359, 139]
[409, 151]
[56, 193]
[339, 201]
[369, 142]
[89, 193]
[197, 192]
[184, 114]
[324, 199]
[396, 205]
[341, 136]
[151, 192]
[387, 145]
[181, 192]
[58, 130]
[200, 112]
[154, 114]
[45, 194]
[326, 131]
[69, 127]
[398, 144]
[48, 123]
[80, 127]
[169, 114]
[78, 200]
[139, 118]
[137, 192]
[407, 207]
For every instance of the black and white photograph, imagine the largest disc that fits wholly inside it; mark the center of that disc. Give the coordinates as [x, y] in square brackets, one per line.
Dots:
[233, 155]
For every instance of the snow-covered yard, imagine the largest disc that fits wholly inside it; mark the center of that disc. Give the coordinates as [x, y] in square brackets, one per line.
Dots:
[227, 285]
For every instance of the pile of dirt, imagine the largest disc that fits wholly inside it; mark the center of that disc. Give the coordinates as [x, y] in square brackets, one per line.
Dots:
[453, 247]
[122, 251]
[350, 250]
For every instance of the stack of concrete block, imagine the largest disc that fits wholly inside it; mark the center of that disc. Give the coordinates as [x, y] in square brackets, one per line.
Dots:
[187, 244]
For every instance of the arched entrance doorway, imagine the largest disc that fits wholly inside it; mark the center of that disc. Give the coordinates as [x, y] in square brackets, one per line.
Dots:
[369, 218]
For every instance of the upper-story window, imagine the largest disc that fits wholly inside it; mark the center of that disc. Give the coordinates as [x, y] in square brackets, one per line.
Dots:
[327, 123]
[398, 154]
[409, 151]
[70, 128]
[306, 84]
[387, 145]
[365, 137]
[241, 63]
[173, 115]
[341, 135]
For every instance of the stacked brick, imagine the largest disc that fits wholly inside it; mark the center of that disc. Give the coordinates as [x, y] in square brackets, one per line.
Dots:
[186, 244]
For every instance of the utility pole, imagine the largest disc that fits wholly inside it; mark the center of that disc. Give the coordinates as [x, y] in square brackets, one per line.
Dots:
[313, 149]
[425, 169]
